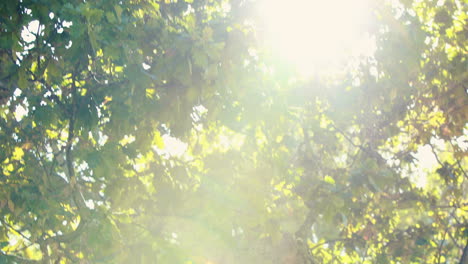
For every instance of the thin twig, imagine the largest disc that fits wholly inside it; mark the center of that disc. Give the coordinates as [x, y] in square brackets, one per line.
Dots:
[435, 154]
[464, 257]
[330, 241]
[347, 137]
[41, 161]
[17, 259]
[458, 162]
[16, 230]
[439, 251]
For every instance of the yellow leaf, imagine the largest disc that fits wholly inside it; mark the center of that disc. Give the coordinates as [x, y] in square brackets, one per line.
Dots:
[329, 179]
[158, 140]
[51, 134]
[150, 93]
[9, 168]
[18, 153]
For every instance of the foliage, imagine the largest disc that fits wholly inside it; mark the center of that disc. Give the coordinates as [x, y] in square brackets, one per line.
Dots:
[152, 131]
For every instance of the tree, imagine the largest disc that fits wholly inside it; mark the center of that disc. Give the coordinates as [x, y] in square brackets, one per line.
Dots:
[163, 131]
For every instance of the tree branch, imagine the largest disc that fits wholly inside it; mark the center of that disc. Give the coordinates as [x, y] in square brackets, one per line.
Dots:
[439, 251]
[16, 230]
[76, 192]
[330, 241]
[17, 259]
[458, 162]
[464, 257]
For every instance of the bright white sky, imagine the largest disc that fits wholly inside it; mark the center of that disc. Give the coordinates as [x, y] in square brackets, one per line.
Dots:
[317, 34]
[426, 160]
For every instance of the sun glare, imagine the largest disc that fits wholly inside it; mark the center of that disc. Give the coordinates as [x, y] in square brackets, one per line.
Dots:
[316, 35]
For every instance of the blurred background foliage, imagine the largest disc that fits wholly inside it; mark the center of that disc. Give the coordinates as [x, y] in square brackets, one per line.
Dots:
[147, 131]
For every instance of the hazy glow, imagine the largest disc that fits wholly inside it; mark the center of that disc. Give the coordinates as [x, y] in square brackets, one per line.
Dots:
[426, 162]
[316, 34]
[173, 147]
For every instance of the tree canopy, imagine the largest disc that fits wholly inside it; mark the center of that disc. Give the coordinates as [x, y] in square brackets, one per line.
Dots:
[157, 131]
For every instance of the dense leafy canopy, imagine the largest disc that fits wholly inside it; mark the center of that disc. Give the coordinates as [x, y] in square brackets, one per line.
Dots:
[148, 131]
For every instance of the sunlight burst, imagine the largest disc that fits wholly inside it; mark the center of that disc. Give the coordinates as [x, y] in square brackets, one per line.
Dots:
[316, 35]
